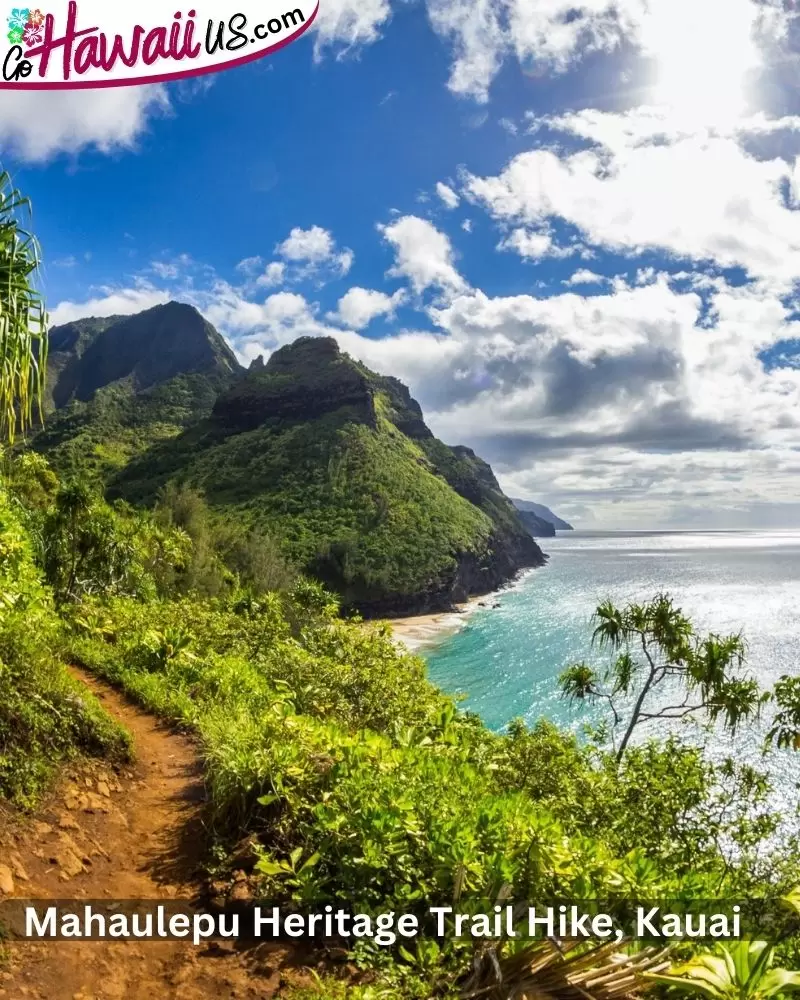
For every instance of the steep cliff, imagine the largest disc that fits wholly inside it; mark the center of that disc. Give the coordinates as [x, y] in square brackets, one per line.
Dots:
[339, 463]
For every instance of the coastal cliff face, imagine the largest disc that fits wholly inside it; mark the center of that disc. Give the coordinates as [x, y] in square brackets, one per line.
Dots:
[333, 460]
[537, 526]
[338, 462]
[539, 517]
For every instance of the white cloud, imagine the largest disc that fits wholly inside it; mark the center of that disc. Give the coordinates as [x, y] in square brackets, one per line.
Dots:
[172, 268]
[423, 255]
[479, 38]
[552, 35]
[110, 302]
[37, 125]
[584, 277]
[257, 329]
[619, 399]
[448, 196]
[345, 25]
[315, 245]
[250, 266]
[273, 276]
[535, 244]
[315, 248]
[647, 185]
[360, 306]
[261, 275]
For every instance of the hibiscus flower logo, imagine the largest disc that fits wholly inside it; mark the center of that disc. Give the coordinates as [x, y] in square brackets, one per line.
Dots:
[32, 35]
[16, 24]
[19, 19]
[26, 25]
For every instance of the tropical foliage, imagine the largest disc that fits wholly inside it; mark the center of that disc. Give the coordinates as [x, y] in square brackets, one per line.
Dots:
[742, 971]
[663, 670]
[327, 751]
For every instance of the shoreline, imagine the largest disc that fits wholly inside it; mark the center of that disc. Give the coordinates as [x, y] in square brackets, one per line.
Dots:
[419, 632]
[422, 631]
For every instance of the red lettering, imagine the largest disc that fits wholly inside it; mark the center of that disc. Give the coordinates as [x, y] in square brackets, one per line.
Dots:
[99, 52]
[86, 55]
[67, 41]
[109, 60]
[155, 46]
[189, 51]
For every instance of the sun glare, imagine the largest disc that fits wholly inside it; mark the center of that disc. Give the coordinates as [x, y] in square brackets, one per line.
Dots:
[704, 51]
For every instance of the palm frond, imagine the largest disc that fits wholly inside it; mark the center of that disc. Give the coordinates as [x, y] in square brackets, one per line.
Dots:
[23, 320]
[567, 970]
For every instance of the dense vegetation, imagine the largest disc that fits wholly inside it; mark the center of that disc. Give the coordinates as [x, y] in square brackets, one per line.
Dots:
[328, 458]
[335, 770]
[324, 742]
[45, 717]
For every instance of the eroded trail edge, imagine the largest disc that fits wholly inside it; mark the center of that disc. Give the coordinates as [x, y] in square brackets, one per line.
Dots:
[132, 834]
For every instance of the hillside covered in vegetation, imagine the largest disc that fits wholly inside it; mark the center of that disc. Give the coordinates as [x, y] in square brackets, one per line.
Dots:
[115, 386]
[331, 460]
[335, 771]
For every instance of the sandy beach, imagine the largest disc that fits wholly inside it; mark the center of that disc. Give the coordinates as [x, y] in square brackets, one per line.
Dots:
[424, 630]
[420, 631]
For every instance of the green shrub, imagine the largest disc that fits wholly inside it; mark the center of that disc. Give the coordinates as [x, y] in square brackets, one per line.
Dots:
[363, 782]
[45, 717]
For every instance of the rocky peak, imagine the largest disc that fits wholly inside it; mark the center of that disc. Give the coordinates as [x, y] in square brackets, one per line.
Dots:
[146, 349]
[302, 381]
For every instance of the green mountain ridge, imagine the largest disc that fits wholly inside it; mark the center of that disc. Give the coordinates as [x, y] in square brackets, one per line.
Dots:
[330, 458]
[117, 385]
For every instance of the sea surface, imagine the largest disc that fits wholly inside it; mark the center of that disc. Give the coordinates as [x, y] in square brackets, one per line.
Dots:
[506, 660]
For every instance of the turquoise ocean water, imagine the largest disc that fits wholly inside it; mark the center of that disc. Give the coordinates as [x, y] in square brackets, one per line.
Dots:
[507, 660]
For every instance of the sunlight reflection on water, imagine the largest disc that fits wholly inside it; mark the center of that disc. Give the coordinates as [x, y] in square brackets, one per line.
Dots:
[507, 661]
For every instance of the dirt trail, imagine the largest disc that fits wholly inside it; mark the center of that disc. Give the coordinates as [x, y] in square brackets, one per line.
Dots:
[134, 835]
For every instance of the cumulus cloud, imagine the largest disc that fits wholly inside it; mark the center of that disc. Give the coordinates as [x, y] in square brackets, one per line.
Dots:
[274, 275]
[360, 306]
[423, 255]
[584, 276]
[643, 184]
[313, 249]
[535, 244]
[37, 125]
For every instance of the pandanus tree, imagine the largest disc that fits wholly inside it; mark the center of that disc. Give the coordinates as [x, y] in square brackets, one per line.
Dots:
[23, 321]
[662, 669]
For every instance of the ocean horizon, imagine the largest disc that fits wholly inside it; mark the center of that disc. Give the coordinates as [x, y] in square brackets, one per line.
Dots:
[504, 662]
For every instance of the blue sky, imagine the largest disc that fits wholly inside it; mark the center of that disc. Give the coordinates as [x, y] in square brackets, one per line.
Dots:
[572, 229]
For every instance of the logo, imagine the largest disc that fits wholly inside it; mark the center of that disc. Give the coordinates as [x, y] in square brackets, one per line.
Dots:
[91, 43]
